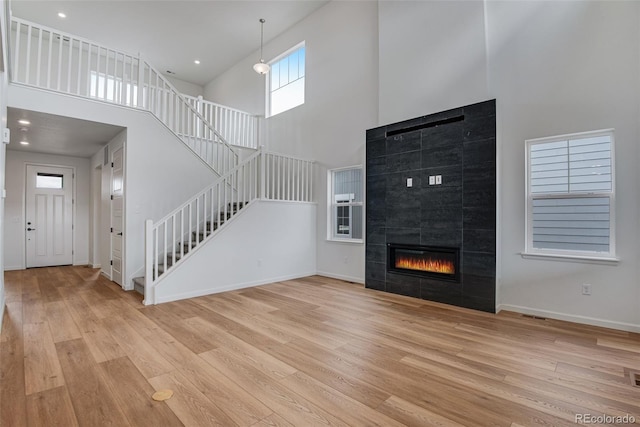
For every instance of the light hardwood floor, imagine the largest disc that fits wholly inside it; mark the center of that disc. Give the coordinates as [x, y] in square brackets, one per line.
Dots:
[77, 350]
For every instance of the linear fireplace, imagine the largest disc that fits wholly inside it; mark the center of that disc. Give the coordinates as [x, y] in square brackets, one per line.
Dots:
[424, 261]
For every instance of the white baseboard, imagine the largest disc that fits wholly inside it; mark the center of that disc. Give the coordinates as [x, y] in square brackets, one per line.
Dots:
[96, 265]
[630, 327]
[341, 277]
[236, 286]
[13, 267]
[81, 263]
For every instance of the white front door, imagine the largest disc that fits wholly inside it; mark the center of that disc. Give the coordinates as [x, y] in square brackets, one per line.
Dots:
[117, 212]
[49, 216]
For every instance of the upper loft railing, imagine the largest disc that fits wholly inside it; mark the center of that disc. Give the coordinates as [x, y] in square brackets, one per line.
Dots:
[50, 59]
[237, 127]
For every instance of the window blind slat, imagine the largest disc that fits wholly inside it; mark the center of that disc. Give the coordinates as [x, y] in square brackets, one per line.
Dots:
[550, 174]
[586, 201]
[591, 170]
[539, 231]
[597, 240]
[570, 224]
[571, 209]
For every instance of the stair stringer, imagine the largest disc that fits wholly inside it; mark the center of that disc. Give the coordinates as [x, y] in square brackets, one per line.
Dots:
[267, 241]
[152, 188]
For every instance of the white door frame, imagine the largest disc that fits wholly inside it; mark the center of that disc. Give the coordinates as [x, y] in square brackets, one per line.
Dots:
[96, 216]
[112, 149]
[73, 208]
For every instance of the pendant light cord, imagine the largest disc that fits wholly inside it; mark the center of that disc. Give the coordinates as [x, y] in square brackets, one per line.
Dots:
[261, 38]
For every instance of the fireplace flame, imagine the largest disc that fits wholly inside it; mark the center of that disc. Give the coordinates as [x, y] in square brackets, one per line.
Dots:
[426, 264]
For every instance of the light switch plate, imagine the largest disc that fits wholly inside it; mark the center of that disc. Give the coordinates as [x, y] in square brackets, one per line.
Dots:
[409, 182]
[432, 180]
[438, 179]
[6, 135]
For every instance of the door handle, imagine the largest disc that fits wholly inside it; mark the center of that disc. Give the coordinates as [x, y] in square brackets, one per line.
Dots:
[119, 234]
[31, 229]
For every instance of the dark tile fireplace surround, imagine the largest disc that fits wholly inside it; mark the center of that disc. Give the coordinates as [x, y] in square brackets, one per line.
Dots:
[454, 220]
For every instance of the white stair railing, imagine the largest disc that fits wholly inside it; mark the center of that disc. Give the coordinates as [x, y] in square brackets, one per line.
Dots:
[263, 175]
[50, 59]
[237, 127]
[287, 178]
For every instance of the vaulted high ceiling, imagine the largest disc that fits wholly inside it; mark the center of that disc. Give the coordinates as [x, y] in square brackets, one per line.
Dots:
[172, 34]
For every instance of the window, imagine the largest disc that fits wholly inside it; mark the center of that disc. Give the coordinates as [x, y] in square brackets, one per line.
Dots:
[286, 81]
[345, 204]
[570, 195]
[48, 180]
[110, 88]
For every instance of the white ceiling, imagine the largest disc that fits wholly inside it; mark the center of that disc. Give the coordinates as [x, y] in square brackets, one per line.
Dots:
[172, 34]
[53, 134]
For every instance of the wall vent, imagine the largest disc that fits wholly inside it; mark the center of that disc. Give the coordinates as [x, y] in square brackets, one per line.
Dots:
[529, 316]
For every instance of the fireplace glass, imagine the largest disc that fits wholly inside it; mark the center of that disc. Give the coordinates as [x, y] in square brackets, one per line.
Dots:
[424, 261]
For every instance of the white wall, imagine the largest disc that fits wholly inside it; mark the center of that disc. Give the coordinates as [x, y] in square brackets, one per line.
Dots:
[556, 68]
[432, 57]
[160, 171]
[340, 103]
[14, 224]
[186, 88]
[3, 124]
[267, 242]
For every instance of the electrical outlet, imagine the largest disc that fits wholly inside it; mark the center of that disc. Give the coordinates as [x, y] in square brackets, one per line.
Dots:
[586, 289]
[409, 182]
[432, 180]
[438, 179]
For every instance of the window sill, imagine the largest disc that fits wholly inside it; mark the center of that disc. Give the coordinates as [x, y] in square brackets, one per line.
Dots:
[351, 241]
[572, 258]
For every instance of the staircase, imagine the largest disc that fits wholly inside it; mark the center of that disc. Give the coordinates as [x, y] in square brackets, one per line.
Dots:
[183, 248]
[55, 61]
[262, 176]
[49, 59]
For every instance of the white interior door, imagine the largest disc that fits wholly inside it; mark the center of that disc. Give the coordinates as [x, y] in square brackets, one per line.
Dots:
[49, 216]
[117, 214]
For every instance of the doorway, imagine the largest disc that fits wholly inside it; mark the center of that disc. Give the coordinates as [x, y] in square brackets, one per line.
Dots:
[49, 216]
[117, 213]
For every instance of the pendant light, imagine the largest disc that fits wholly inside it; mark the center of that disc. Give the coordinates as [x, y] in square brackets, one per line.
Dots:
[261, 67]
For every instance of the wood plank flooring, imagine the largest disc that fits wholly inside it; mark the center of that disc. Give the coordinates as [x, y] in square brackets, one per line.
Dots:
[77, 350]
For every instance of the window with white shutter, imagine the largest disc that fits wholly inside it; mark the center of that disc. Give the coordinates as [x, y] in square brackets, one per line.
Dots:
[346, 203]
[570, 195]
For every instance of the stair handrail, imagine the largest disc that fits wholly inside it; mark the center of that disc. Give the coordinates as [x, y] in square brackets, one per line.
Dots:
[71, 66]
[231, 153]
[217, 199]
[209, 187]
[240, 128]
[261, 176]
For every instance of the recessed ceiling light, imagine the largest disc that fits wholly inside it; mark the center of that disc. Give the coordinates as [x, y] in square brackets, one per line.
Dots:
[24, 142]
[62, 15]
[197, 62]
[24, 122]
